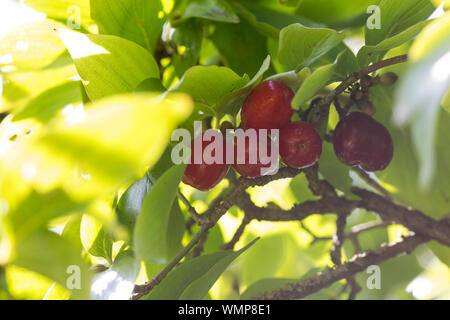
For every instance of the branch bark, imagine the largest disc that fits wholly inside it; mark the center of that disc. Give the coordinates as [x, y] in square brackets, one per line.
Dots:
[412, 219]
[356, 264]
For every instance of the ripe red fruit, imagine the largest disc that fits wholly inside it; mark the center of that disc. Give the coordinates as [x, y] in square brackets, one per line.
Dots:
[360, 140]
[300, 144]
[247, 169]
[204, 176]
[268, 106]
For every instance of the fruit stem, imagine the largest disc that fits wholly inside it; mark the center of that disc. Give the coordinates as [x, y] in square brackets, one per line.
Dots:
[359, 74]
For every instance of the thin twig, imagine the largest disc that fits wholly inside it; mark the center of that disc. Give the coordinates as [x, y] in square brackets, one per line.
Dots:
[323, 107]
[200, 245]
[237, 235]
[357, 75]
[315, 237]
[192, 212]
[412, 219]
[338, 239]
[142, 290]
[371, 182]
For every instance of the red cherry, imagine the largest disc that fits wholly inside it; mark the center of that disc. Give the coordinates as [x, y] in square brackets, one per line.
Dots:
[268, 106]
[247, 169]
[360, 140]
[204, 176]
[300, 145]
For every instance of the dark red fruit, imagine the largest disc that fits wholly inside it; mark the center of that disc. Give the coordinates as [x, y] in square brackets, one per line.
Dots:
[247, 169]
[300, 145]
[360, 140]
[204, 176]
[268, 106]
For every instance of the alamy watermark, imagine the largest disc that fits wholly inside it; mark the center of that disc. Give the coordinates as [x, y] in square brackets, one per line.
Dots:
[374, 280]
[374, 21]
[73, 281]
[74, 18]
[262, 146]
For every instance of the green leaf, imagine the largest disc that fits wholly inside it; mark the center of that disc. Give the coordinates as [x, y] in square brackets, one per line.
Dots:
[300, 46]
[107, 64]
[441, 251]
[346, 64]
[21, 86]
[216, 10]
[94, 238]
[71, 231]
[269, 19]
[321, 77]
[130, 203]
[333, 170]
[231, 102]
[334, 12]
[150, 85]
[207, 85]
[63, 9]
[430, 38]
[117, 283]
[193, 279]
[420, 92]
[291, 78]
[241, 47]
[111, 140]
[375, 53]
[36, 210]
[265, 285]
[157, 223]
[47, 253]
[397, 16]
[51, 102]
[299, 187]
[215, 240]
[272, 249]
[188, 36]
[140, 21]
[32, 46]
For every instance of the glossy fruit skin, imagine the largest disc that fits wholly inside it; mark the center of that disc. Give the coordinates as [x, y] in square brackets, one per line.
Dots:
[268, 106]
[246, 169]
[300, 144]
[360, 140]
[205, 176]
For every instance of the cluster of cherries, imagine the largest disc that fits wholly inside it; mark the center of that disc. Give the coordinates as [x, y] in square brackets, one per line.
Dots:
[358, 139]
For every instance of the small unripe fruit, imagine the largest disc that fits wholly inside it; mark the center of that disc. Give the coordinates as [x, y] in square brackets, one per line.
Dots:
[360, 140]
[300, 145]
[268, 106]
[388, 79]
[204, 176]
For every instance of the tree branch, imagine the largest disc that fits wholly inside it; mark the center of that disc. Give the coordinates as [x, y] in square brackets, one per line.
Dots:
[412, 219]
[237, 235]
[221, 206]
[142, 290]
[371, 182]
[356, 264]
